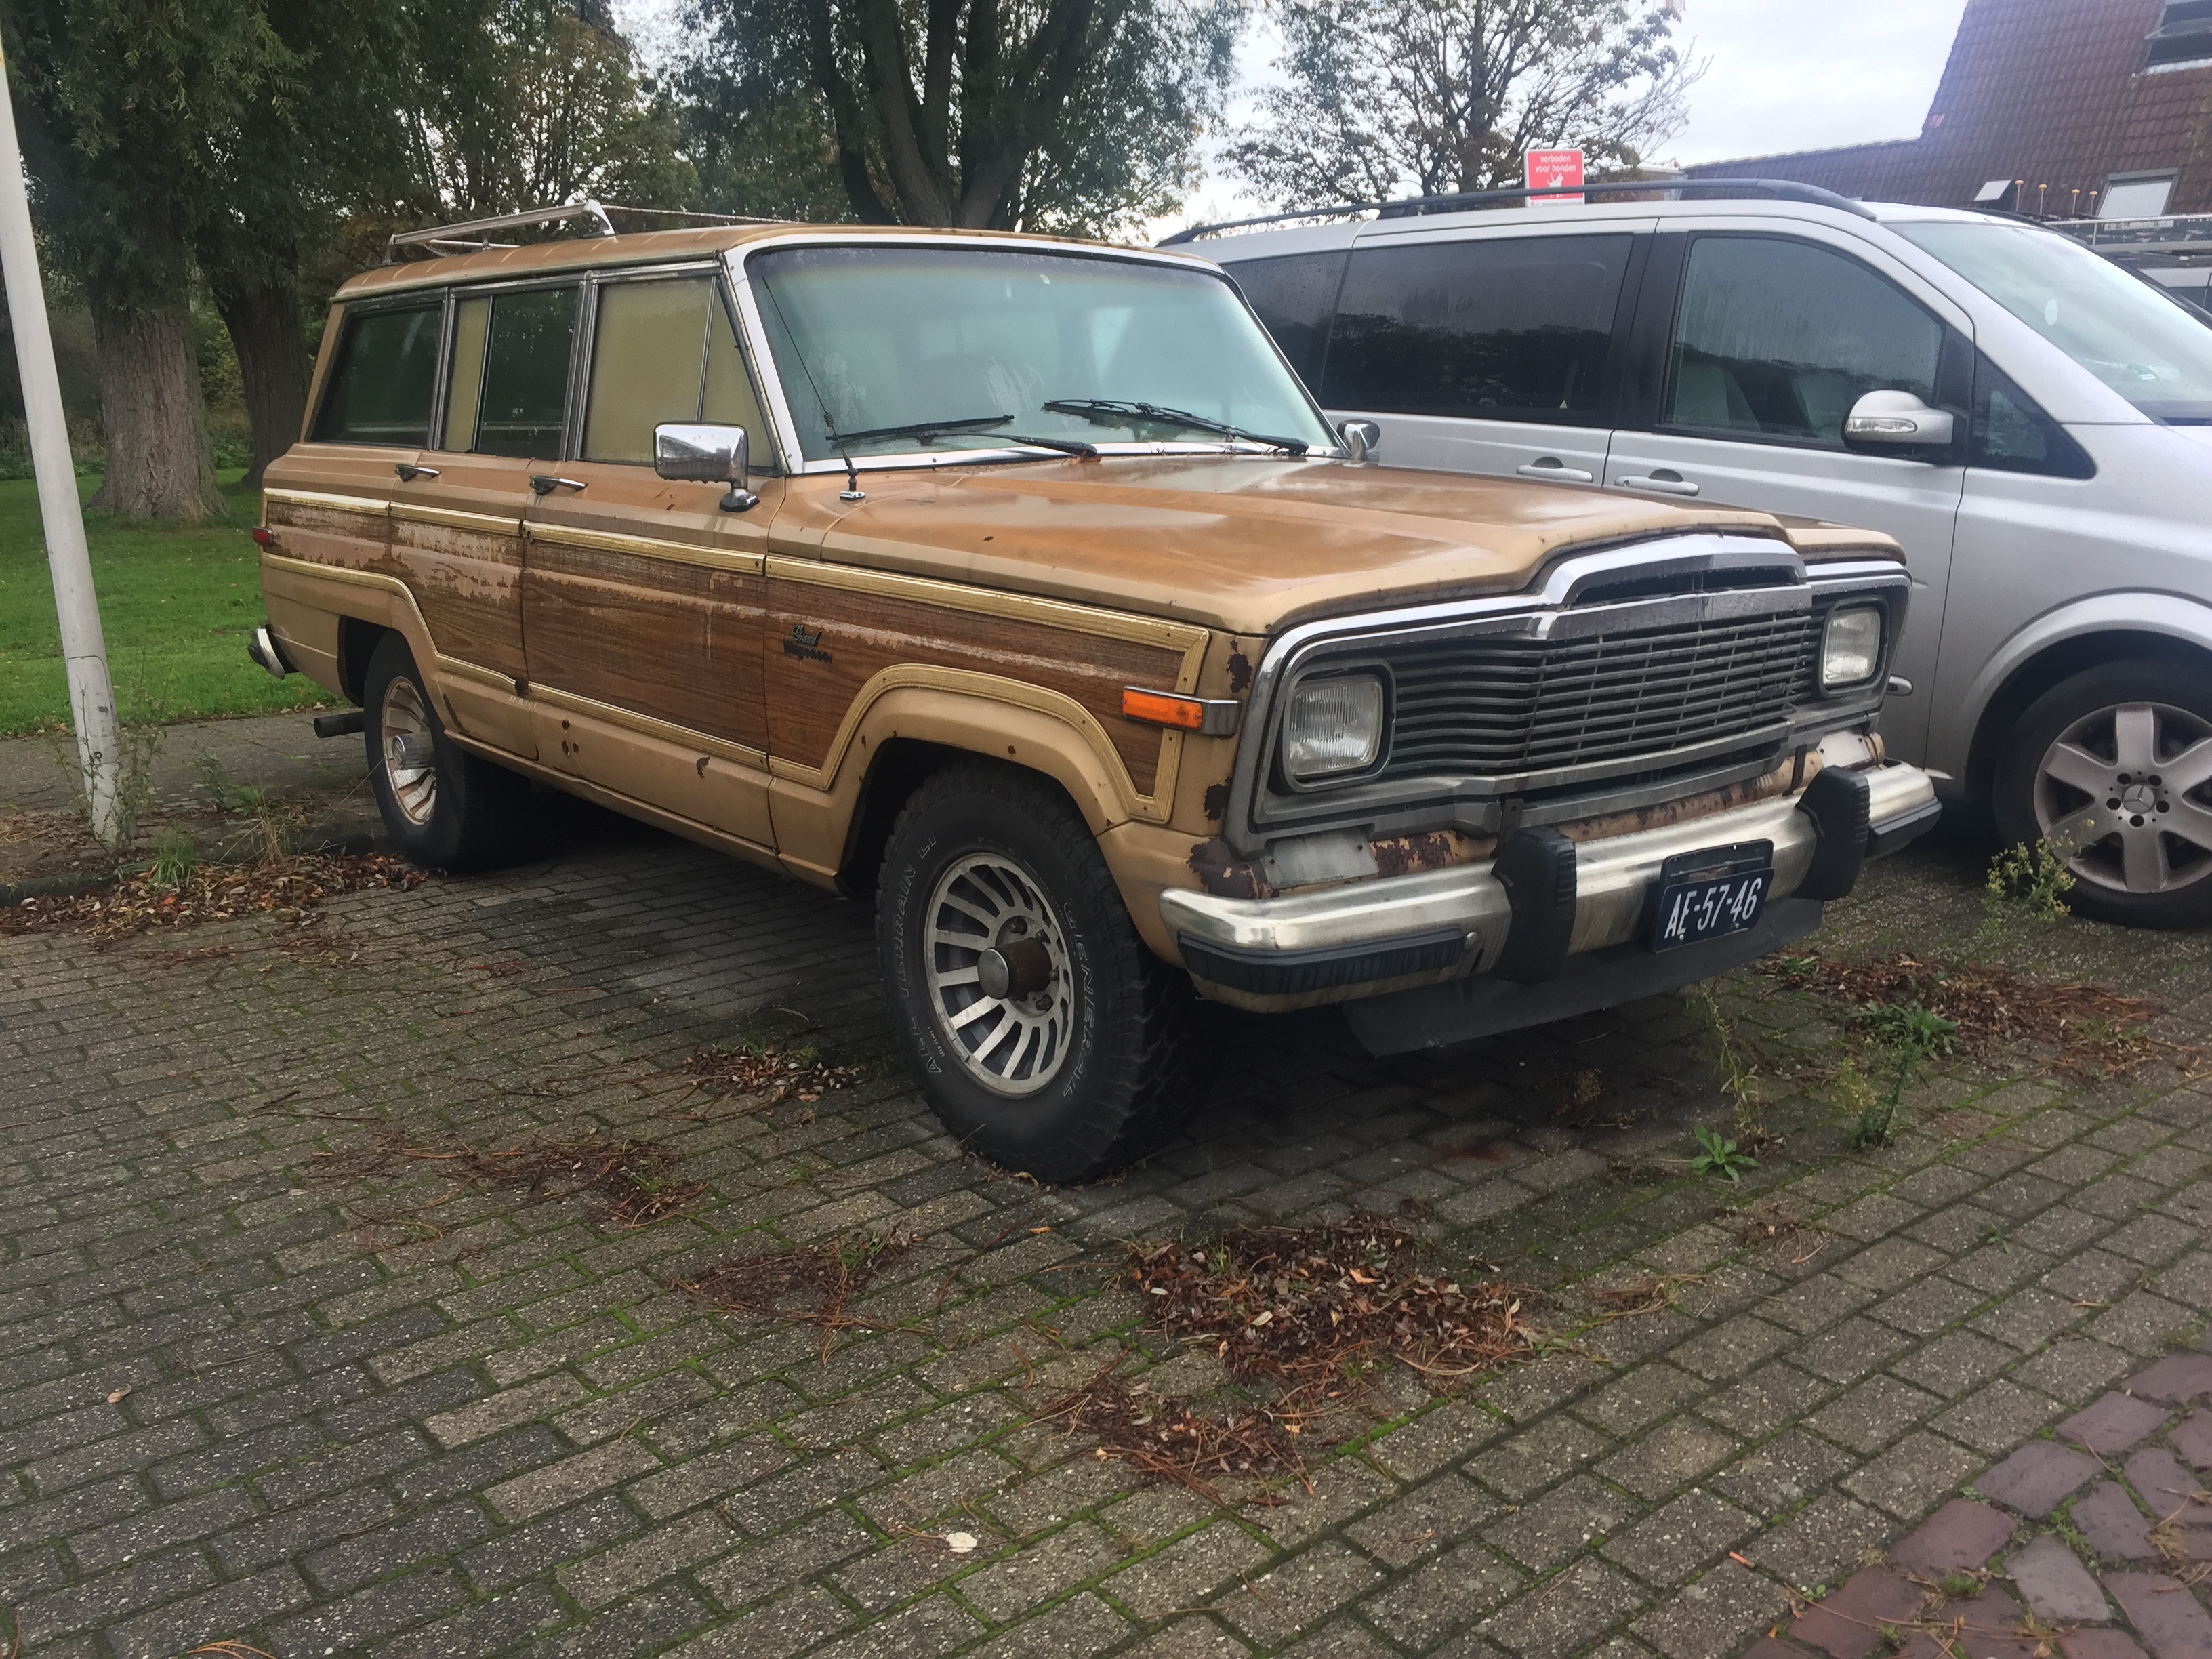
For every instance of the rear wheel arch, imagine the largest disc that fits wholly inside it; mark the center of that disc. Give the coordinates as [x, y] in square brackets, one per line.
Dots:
[2050, 666]
[357, 643]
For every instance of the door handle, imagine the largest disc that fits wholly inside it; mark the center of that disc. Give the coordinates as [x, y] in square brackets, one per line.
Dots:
[1550, 466]
[544, 483]
[1664, 479]
[409, 472]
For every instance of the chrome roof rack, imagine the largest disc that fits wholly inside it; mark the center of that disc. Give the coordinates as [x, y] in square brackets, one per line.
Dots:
[474, 235]
[1778, 190]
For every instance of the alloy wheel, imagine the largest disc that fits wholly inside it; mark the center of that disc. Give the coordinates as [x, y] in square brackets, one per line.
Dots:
[410, 755]
[2115, 792]
[998, 973]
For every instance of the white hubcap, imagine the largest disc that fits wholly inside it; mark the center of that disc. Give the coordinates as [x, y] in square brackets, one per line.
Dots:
[998, 975]
[2114, 793]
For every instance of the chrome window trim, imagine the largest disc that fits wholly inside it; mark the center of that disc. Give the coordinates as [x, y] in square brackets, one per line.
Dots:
[779, 407]
[1255, 813]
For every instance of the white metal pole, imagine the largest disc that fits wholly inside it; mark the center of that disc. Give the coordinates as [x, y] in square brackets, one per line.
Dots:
[84, 649]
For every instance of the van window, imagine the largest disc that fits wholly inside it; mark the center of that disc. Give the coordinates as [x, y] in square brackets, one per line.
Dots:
[1779, 338]
[525, 373]
[646, 357]
[1511, 328]
[381, 384]
[1295, 296]
[2009, 432]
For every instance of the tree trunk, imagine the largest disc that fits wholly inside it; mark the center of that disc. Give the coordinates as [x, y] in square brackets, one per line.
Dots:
[159, 464]
[262, 317]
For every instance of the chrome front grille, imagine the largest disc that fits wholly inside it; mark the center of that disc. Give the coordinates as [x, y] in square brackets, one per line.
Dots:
[1530, 708]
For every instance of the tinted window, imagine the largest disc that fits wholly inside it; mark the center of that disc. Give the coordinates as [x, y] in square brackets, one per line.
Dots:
[2011, 434]
[471, 317]
[646, 357]
[379, 392]
[1507, 329]
[1781, 337]
[525, 373]
[1295, 297]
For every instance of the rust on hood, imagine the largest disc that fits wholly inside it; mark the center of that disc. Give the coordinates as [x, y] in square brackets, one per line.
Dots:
[1223, 874]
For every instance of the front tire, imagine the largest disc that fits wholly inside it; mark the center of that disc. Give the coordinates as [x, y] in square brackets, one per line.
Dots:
[1041, 1032]
[444, 807]
[2114, 767]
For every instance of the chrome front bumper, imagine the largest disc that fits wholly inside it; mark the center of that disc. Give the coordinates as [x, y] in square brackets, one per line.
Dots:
[1359, 938]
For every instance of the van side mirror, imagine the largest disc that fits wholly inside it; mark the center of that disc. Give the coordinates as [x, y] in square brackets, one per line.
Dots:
[1896, 419]
[690, 452]
[1361, 440]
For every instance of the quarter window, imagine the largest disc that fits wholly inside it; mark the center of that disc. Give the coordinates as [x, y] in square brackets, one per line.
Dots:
[1511, 328]
[381, 386]
[1779, 338]
[525, 393]
[1295, 296]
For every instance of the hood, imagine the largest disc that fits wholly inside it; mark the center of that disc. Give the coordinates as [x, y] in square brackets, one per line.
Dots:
[1246, 544]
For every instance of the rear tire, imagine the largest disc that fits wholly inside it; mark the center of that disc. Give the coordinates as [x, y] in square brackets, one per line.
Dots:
[447, 808]
[2114, 765]
[1083, 1059]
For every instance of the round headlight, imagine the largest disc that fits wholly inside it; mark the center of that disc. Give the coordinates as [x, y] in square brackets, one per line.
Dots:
[1334, 726]
[1850, 646]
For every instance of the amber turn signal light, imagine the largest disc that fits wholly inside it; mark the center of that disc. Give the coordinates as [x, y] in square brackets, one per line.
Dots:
[1212, 717]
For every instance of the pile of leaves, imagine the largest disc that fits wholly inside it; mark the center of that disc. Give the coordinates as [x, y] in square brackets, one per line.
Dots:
[286, 891]
[776, 1074]
[1997, 1012]
[628, 1183]
[1309, 1307]
[1168, 1440]
[811, 1285]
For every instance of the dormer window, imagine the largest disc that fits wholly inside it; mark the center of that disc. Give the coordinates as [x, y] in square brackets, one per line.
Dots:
[2183, 37]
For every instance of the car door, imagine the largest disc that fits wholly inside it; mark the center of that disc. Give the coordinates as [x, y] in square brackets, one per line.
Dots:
[457, 508]
[1486, 352]
[643, 598]
[1759, 345]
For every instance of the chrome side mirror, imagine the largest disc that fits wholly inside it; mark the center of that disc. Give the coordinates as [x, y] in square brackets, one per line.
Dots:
[1886, 420]
[1361, 440]
[690, 452]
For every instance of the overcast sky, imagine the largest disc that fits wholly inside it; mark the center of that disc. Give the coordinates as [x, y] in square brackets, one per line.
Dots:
[1784, 75]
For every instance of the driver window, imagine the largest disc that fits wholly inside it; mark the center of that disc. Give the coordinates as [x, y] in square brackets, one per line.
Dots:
[1777, 338]
[663, 350]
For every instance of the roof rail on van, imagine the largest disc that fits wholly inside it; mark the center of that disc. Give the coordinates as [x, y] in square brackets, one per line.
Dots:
[1779, 190]
[474, 235]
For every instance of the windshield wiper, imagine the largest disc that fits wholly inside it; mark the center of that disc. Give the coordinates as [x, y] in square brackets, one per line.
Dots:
[1117, 411]
[924, 430]
[1065, 446]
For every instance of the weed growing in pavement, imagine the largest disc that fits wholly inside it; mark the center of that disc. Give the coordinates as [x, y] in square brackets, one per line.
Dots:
[1739, 1078]
[1912, 1034]
[139, 718]
[174, 860]
[245, 801]
[2024, 884]
[1718, 1156]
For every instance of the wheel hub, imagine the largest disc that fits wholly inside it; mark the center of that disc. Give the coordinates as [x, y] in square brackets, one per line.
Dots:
[998, 973]
[2114, 791]
[409, 750]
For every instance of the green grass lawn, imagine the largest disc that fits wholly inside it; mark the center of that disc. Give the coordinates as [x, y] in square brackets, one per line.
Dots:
[177, 603]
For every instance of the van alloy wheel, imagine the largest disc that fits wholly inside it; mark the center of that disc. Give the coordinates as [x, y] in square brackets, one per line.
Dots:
[410, 755]
[2113, 789]
[998, 973]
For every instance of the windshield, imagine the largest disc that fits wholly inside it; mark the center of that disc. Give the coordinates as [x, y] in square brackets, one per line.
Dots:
[2123, 330]
[893, 350]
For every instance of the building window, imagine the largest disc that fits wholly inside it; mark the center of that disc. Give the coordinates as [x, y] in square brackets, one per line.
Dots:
[2135, 196]
[2184, 35]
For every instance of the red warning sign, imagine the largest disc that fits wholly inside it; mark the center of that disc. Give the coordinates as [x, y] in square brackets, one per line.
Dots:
[1554, 169]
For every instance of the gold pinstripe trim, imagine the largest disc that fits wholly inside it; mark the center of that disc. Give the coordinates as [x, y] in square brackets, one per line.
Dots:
[455, 518]
[683, 736]
[337, 573]
[1185, 637]
[374, 509]
[993, 687]
[646, 547]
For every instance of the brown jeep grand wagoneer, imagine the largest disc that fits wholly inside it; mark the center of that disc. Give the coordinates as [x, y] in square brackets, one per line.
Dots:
[1020, 584]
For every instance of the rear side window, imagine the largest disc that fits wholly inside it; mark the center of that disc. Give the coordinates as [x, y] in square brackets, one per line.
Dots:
[1295, 296]
[380, 383]
[1779, 338]
[524, 386]
[663, 351]
[1512, 328]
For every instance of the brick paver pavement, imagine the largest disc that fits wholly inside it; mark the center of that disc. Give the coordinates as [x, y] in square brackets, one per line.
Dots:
[243, 1398]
